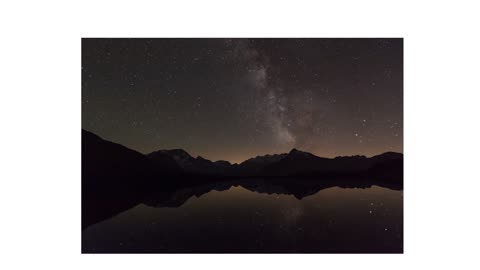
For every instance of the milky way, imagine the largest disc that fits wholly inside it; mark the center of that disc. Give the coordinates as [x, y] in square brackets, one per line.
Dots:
[237, 98]
[271, 104]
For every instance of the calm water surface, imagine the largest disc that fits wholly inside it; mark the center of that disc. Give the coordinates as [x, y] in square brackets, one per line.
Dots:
[333, 220]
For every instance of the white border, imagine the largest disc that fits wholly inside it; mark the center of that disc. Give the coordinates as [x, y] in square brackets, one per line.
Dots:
[40, 118]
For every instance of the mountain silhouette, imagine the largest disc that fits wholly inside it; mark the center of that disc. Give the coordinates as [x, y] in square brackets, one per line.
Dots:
[101, 158]
[116, 178]
[256, 165]
[294, 163]
[190, 164]
[304, 163]
[108, 165]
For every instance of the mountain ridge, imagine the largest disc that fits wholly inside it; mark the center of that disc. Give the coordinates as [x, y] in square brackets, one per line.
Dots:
[115, 178]
[295, 162]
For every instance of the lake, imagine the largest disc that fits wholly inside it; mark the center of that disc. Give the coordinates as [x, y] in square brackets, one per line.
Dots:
[239, 219]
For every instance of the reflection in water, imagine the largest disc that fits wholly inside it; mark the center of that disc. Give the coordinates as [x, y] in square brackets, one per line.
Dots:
[237, 219]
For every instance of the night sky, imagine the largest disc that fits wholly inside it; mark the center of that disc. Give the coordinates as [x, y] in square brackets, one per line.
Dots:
[233, 99]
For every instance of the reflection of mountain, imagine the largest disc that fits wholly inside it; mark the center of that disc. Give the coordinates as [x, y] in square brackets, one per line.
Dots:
[297, 187]
[115, 178]
[177, 196]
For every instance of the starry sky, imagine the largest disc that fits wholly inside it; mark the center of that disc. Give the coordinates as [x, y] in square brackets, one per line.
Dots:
[232, 99]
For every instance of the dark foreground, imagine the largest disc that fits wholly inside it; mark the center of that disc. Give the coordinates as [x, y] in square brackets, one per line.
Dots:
[251, 216]
[170, 202]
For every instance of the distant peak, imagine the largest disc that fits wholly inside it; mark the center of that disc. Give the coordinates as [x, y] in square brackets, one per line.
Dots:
[296, 151]
[223, 162]
[178, 150]
[201, 158]
[388, 155]
[392, 153]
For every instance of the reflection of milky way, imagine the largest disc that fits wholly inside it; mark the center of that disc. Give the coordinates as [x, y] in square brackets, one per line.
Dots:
[237, 220]
[292, 215]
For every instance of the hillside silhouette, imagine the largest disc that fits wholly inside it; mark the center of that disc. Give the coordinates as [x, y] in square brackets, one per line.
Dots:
[116, 178]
